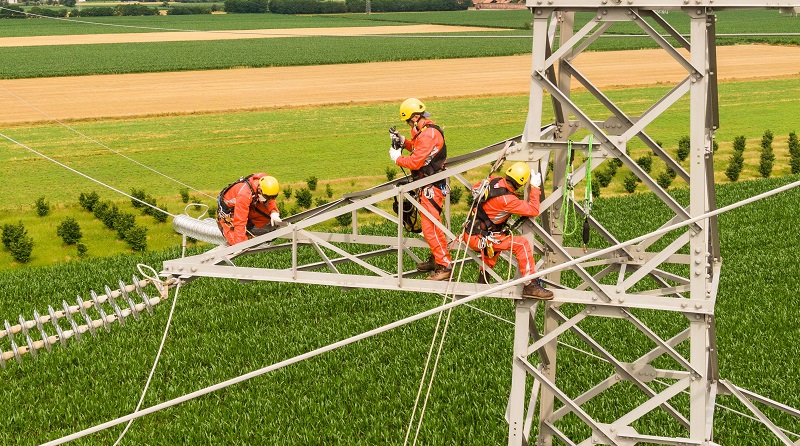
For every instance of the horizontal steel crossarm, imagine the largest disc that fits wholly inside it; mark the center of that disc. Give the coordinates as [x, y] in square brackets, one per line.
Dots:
[564, 398]
[757, 412]
[346, 254]
[222, 253]
[654, 402]
[656, 260]
[365, 255]
[603, 139]
[666, 46]
[627, 121]
[348, 280]
[361, 239]
[620, 367]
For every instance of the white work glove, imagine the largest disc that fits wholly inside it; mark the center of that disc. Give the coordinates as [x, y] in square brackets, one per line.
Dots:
[394, 154]
[536, 179]
[274, 219]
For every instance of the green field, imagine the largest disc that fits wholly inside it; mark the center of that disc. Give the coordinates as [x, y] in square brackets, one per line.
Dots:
[364, 393]
[74, 60]
[295, 144]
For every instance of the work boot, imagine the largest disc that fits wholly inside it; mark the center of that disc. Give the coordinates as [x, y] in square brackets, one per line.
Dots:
[535, 291]
[440, 273]
[483, 278]
[430, 265]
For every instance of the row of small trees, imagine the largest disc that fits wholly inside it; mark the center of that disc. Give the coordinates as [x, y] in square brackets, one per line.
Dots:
[766, 158]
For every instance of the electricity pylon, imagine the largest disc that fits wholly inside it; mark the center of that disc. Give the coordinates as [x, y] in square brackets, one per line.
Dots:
[659, 379]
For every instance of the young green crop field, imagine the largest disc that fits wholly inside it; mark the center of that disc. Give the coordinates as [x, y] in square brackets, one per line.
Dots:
[295, 144]
[364, 393]
[74, 60]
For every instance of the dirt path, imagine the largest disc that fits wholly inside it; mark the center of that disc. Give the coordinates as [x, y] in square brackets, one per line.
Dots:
[203, 91]
[182, 36]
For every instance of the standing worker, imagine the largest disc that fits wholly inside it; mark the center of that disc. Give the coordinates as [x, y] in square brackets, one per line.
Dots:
[486, 231]
[247, 207]
[428, 156]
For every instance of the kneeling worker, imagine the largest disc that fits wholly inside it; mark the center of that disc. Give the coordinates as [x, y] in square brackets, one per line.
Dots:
[247, 207]
[486, 230]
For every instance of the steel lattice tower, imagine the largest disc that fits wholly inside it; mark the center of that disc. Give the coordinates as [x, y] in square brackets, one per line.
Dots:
[619, 285]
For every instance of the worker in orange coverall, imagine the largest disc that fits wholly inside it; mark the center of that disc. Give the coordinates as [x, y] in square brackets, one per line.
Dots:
[428, 156]
[485, 230]
[247, 207]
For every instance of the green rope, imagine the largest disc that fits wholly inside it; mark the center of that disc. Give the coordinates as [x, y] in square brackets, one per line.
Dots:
[588, 199]
[567, 213]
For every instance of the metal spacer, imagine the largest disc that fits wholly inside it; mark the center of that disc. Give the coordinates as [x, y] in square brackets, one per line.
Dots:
[72, 323]
[41, 330]
[99, 309]
[24, 329]
[13, 344]
[86, 316]
[114, 305]
[143, 295]
[124, 293]
[54, 321]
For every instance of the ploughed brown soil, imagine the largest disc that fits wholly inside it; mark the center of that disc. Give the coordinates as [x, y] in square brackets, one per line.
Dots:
[261, 88]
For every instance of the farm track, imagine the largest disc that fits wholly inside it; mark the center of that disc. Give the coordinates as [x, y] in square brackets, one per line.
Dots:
[128, 95]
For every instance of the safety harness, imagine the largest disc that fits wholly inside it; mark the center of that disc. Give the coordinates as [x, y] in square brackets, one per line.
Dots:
[412, 221]
[225, 212]
[437, 163]
[483, 224]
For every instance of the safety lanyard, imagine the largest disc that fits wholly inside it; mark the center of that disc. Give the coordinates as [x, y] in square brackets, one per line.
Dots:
[567, 220]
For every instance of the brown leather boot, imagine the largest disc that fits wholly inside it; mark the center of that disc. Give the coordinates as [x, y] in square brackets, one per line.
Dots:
[483, 278]
[441, 273]
[535, 291]
[430, 265]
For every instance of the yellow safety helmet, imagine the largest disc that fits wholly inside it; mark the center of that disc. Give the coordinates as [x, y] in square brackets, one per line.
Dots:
[409, 107]
[269, 186]
[519, 172]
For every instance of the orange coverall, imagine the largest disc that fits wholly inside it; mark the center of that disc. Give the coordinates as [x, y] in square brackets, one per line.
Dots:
[499, 209]
[248, 210]
[424, 144]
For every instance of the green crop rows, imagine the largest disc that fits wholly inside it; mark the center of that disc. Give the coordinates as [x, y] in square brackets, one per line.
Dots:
[38, 61]
[364, 393]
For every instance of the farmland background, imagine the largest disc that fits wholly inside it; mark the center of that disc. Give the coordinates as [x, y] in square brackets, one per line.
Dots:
[361, 394]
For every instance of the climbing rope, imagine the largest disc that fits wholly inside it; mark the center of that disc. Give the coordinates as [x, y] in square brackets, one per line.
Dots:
[567, 213]
[588, 199]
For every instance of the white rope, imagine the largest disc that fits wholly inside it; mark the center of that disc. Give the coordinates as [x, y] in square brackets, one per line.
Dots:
[84, 175]
[416, 317]
[155, 363]
[101, 144]
[424, 373]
